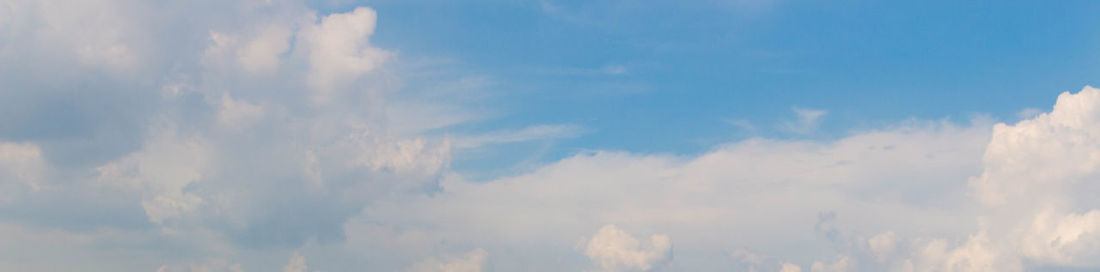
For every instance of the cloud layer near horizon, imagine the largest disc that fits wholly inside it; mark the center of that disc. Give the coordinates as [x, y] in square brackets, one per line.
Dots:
[269, 137]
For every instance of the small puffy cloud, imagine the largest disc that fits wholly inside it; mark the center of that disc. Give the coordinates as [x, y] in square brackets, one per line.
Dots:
[297, 263]
[612, 249]
[473, 261]
[789, 267]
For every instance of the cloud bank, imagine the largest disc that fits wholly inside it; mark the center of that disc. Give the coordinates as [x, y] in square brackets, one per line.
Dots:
[268, 136]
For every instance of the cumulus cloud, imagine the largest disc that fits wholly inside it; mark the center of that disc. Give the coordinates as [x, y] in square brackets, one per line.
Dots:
[265, 128]
[160, 172]
[339, 49]
[1036, 182]
[612, 249]
[926, 166]
[210, 134]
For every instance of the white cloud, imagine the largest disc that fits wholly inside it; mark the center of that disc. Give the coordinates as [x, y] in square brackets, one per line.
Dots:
[789, 267]
[22, 163]
[339, 50]
[473, 261]
[263, 53]
[612, 249]
[925, 164]
[297, 263]
[1036, 182]
[160, 171]
[265, 128]
[237, 114]
[883, 245]
[531, 133]
[841, 264]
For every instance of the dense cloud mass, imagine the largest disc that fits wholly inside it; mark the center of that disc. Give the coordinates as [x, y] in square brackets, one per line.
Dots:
[268, 136]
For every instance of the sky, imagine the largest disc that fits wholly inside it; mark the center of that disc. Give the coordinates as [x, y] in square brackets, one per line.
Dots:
[506, 135]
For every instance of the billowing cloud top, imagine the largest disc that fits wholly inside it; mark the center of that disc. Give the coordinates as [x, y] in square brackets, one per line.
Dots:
[271, 137]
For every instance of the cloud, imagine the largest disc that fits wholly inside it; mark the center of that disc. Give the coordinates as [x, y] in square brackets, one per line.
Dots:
[1028, 113]
[159, 172]
[213, 265]
[339, 49]
[840, 265]
[1035, 182]
[612, 249]
[139, 137]
[212, 129]
[531, 133]
[297, 263]
[807, 122]
[472, 261]
[789, 267]
[22, 164]
[686, 197]
[262, 54]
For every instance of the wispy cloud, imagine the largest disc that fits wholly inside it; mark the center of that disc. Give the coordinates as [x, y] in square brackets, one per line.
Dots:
[806, 121]
[531, 133]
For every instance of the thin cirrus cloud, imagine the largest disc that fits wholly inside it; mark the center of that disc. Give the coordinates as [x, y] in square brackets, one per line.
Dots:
[272, 137]
[531, 133]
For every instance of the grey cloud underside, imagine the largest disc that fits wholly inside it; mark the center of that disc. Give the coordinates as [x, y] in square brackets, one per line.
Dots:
[264, 136]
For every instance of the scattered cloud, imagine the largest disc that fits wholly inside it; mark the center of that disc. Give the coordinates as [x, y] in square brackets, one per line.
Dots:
[269, 129]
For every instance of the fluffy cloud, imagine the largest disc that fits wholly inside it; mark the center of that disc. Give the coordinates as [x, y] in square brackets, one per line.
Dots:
[214, 134]
[909, 179]
[134, 137]
[1037, 179]
[612, 249]
[339, 50]
[788, 267]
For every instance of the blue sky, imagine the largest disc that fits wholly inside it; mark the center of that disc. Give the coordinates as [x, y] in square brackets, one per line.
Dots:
[471, 136]
[617, 68]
